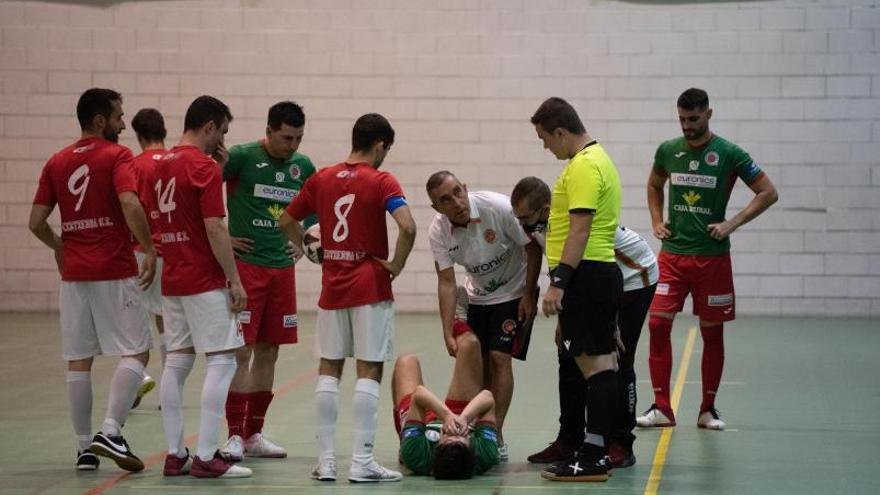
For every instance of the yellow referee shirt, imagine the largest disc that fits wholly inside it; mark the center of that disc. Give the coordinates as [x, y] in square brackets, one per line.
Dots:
[589, 181]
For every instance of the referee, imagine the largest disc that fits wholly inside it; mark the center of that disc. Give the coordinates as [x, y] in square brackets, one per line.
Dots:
[586, 286]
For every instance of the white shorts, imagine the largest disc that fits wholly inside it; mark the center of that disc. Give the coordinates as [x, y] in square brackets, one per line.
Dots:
[363, 332]
[103, 317]
[202, 321]
[152, 297]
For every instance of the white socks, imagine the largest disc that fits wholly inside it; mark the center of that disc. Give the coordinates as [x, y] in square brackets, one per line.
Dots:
[79, 393]
[177, 368]
[220, 370]
[365, 408]
[123, 389]
[327, 401]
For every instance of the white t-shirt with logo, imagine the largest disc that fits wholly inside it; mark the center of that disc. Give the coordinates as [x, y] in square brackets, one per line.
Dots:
[490, 249]
[633, 255]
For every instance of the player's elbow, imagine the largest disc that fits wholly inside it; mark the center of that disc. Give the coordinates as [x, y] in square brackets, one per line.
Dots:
[214, 227]
[408, 230]
[772, 196]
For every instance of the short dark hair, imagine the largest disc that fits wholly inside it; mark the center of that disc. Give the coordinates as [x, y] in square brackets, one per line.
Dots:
[368, 130]
[436, 179]
[149, 125]
[285, 112]
[533, 190]
[453, 461]
[205, 109]
[556, 113]
[693, 99]
[95, 101]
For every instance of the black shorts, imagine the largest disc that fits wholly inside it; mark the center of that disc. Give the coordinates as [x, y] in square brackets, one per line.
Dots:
[589, 309]
[499, 329]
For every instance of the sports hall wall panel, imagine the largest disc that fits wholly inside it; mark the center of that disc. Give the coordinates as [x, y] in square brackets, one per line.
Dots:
[797, 84]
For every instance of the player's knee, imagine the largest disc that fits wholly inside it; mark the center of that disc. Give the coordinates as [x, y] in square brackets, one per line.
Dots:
[500, 361]
[266, 352]
[143, 357]
[468, 342]
[243, 355]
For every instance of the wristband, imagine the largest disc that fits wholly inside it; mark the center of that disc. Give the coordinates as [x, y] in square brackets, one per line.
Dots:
[561, 276]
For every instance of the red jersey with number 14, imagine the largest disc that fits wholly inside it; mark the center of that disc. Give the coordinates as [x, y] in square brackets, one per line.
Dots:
[350, 202]
[189, 189]
[85, 180]
[145, 170]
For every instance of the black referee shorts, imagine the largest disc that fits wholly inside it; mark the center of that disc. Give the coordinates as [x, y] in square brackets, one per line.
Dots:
[589, 309]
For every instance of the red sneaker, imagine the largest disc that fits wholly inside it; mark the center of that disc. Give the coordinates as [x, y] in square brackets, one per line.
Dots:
[555, 452]
[621, 457]
[177, 466]
[218, 467]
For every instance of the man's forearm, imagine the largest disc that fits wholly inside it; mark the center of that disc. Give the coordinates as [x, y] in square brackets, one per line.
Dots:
[446, 297]
[405, 242]
[221, 246]
[756, 206]
[534, 257]
[136, 220]
[655, 204]
[478, 406]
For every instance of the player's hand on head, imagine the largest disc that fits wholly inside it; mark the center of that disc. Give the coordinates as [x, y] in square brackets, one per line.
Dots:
[661, 230]
[553, 301]
[242, 245]
[238, 296]
[221, 155]
[147, 271]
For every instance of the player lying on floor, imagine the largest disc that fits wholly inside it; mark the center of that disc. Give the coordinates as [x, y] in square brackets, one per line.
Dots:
[451, 439]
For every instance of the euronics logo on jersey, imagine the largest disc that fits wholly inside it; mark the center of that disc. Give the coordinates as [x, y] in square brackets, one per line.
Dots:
[280, 194]
[694, 180]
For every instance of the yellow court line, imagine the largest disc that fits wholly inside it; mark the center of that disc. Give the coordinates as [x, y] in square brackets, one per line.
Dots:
[666, 436]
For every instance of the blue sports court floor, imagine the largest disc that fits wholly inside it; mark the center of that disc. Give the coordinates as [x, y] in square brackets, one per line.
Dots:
[800, 397]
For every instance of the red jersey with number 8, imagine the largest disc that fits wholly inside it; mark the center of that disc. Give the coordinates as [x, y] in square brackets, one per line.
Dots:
[349, 200]
[85, 180]
[189, 189]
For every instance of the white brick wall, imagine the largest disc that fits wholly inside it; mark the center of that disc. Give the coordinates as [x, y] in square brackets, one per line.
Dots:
[797, 84]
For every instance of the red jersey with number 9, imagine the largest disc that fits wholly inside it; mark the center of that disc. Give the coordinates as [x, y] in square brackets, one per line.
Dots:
[189, 189]
[350, 202]
[85, 180]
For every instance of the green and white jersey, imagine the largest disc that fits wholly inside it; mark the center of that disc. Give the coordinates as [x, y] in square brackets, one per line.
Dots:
[258, 189]
[700, 183]
[418, 442]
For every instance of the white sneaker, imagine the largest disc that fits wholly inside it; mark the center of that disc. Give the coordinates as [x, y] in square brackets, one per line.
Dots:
[259, 446]
[233, 449]
[655, 418]
[710, 420]
[503, 452]
[325, 470]
[372, 473]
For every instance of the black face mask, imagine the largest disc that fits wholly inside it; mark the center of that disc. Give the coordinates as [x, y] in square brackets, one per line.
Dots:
[539, 226]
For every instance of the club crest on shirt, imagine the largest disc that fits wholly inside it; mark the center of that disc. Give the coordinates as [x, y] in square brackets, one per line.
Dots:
[693, 165]
[490, 236]
[711, 158]
[295, 171]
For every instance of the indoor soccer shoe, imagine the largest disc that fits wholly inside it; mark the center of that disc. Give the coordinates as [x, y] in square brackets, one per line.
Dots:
[556, 451]
[233, 449]
[86, 460]
[147, 386]
[655, 418]
[177, 466]
[372, 473]
[620, 456]
[259, 446]
[710, 420]
[217, 467]
[325, 471]
[116, 448]
[503, 452]
[590, 465]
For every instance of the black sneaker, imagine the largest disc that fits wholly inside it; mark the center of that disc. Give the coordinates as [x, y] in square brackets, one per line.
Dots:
[86, 460]
[582, 466]
[116, 448]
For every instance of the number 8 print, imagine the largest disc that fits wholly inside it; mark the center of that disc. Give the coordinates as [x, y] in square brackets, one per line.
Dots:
[341, 208]
[78, 183]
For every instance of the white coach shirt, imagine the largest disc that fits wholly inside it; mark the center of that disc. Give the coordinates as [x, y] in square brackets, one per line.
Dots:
[633, 255]
[490, 249]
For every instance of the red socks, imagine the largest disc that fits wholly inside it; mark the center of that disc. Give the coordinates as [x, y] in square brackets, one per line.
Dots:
[712, 364]
[236, 411]
[258, 403]
[660, 361]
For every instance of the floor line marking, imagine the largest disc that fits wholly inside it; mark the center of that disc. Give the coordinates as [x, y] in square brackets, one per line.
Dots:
[663, 445]
[155, 459]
